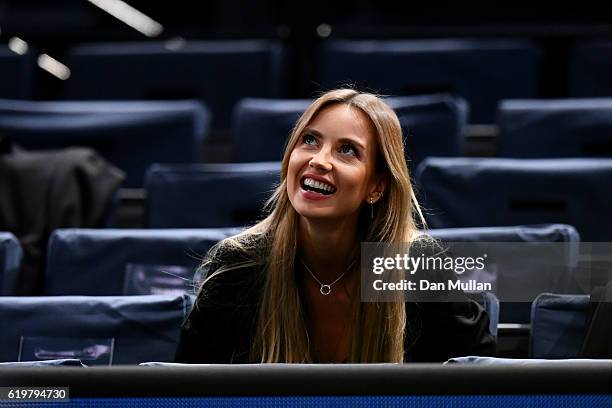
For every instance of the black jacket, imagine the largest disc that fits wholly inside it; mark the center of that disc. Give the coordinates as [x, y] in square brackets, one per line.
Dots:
[220, 328]
[44, 190]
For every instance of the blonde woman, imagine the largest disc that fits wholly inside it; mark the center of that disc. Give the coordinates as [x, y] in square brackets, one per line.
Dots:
[287, 289]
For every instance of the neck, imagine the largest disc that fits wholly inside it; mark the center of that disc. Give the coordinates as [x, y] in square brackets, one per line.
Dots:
[328, 248]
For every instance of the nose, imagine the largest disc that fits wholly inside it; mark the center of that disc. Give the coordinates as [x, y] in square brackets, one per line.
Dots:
[321, 161]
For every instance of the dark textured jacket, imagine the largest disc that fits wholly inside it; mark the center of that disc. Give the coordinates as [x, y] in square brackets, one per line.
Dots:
[221, 326]
[44, 190]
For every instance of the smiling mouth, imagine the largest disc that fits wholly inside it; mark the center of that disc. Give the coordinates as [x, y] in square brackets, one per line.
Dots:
[309, 184]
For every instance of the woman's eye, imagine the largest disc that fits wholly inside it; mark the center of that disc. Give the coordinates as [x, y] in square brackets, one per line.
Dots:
[309, 139]
[348, 149]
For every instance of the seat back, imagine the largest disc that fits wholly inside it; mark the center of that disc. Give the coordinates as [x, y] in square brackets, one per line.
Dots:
[481, 71]
[555, 128]
[511, 270]
[474, 192]
[217, 72]
[558, 324]
[16, 71]
[96, 330]
[10, 262]
[589, 68]
[208, 195]
[127, 261]
[132, 135]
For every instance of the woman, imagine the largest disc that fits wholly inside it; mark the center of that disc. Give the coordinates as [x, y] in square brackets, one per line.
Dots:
[287, 289]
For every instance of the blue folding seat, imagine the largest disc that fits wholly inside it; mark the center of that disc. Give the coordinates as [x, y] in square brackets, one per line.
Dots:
[474, 192]
[97, 330]
[433, 125]
[127, 261]
[261, 127]
[131, 135]
[481, 71]
[15, 74]
[218, 72]
[558, 325]
[208, 195]
[523, 261]
[10, 262]
[589, 69]
[555, 128]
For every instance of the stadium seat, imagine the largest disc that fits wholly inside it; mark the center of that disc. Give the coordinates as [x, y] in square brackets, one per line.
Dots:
[16, 73]
[558, 324]
[96, 330]
[208, 195]
[433, 125]
[474, 192]
[519, 262]
[126, 261]
[132, 135]
[589, 69]
[555, 128]
[261, 127]
[218, 72]
[10, 262]
[481, 71]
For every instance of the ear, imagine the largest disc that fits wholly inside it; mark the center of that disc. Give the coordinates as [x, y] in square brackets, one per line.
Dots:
[378, 189]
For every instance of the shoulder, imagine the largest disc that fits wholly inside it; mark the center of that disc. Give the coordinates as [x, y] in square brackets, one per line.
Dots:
[230, 274]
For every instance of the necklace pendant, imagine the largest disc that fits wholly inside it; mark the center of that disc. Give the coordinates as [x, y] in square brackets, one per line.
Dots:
[325, 290]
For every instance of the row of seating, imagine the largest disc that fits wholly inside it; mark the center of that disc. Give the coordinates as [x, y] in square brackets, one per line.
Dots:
[483, 71]
[112, 330]
[455, 192]
[524, 261]
[135, 134]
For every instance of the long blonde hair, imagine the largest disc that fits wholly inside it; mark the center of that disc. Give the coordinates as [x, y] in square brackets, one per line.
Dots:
[281, 333]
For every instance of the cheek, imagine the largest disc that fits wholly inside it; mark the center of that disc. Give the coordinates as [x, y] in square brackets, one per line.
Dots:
[357, 181]
[293, 170]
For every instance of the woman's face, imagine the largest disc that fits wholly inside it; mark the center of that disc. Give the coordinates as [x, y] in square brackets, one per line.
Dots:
[331, 171]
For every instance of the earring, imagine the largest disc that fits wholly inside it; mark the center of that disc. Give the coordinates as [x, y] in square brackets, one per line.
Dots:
[371, 208]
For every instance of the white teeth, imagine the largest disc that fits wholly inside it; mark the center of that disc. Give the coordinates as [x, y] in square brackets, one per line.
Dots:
[317, 184]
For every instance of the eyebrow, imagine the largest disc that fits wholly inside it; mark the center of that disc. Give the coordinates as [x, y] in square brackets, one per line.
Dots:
[343, 140]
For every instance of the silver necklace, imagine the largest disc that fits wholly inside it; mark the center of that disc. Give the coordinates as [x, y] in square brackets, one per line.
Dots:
[325, 288]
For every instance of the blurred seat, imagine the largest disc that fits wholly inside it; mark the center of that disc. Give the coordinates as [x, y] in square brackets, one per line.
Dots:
[481, 71]
[261, 127]
[474, 192]
[558, 324]
[96, 330]
[217, 72]
[131, 135]
[432, 125]
[522, 262]
[10, 262]
[15, 73]
[208, 195]
[126, 261]
[589, 68]
[555, 128]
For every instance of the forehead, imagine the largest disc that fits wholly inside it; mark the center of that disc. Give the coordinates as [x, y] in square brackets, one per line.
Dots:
[343, 121]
